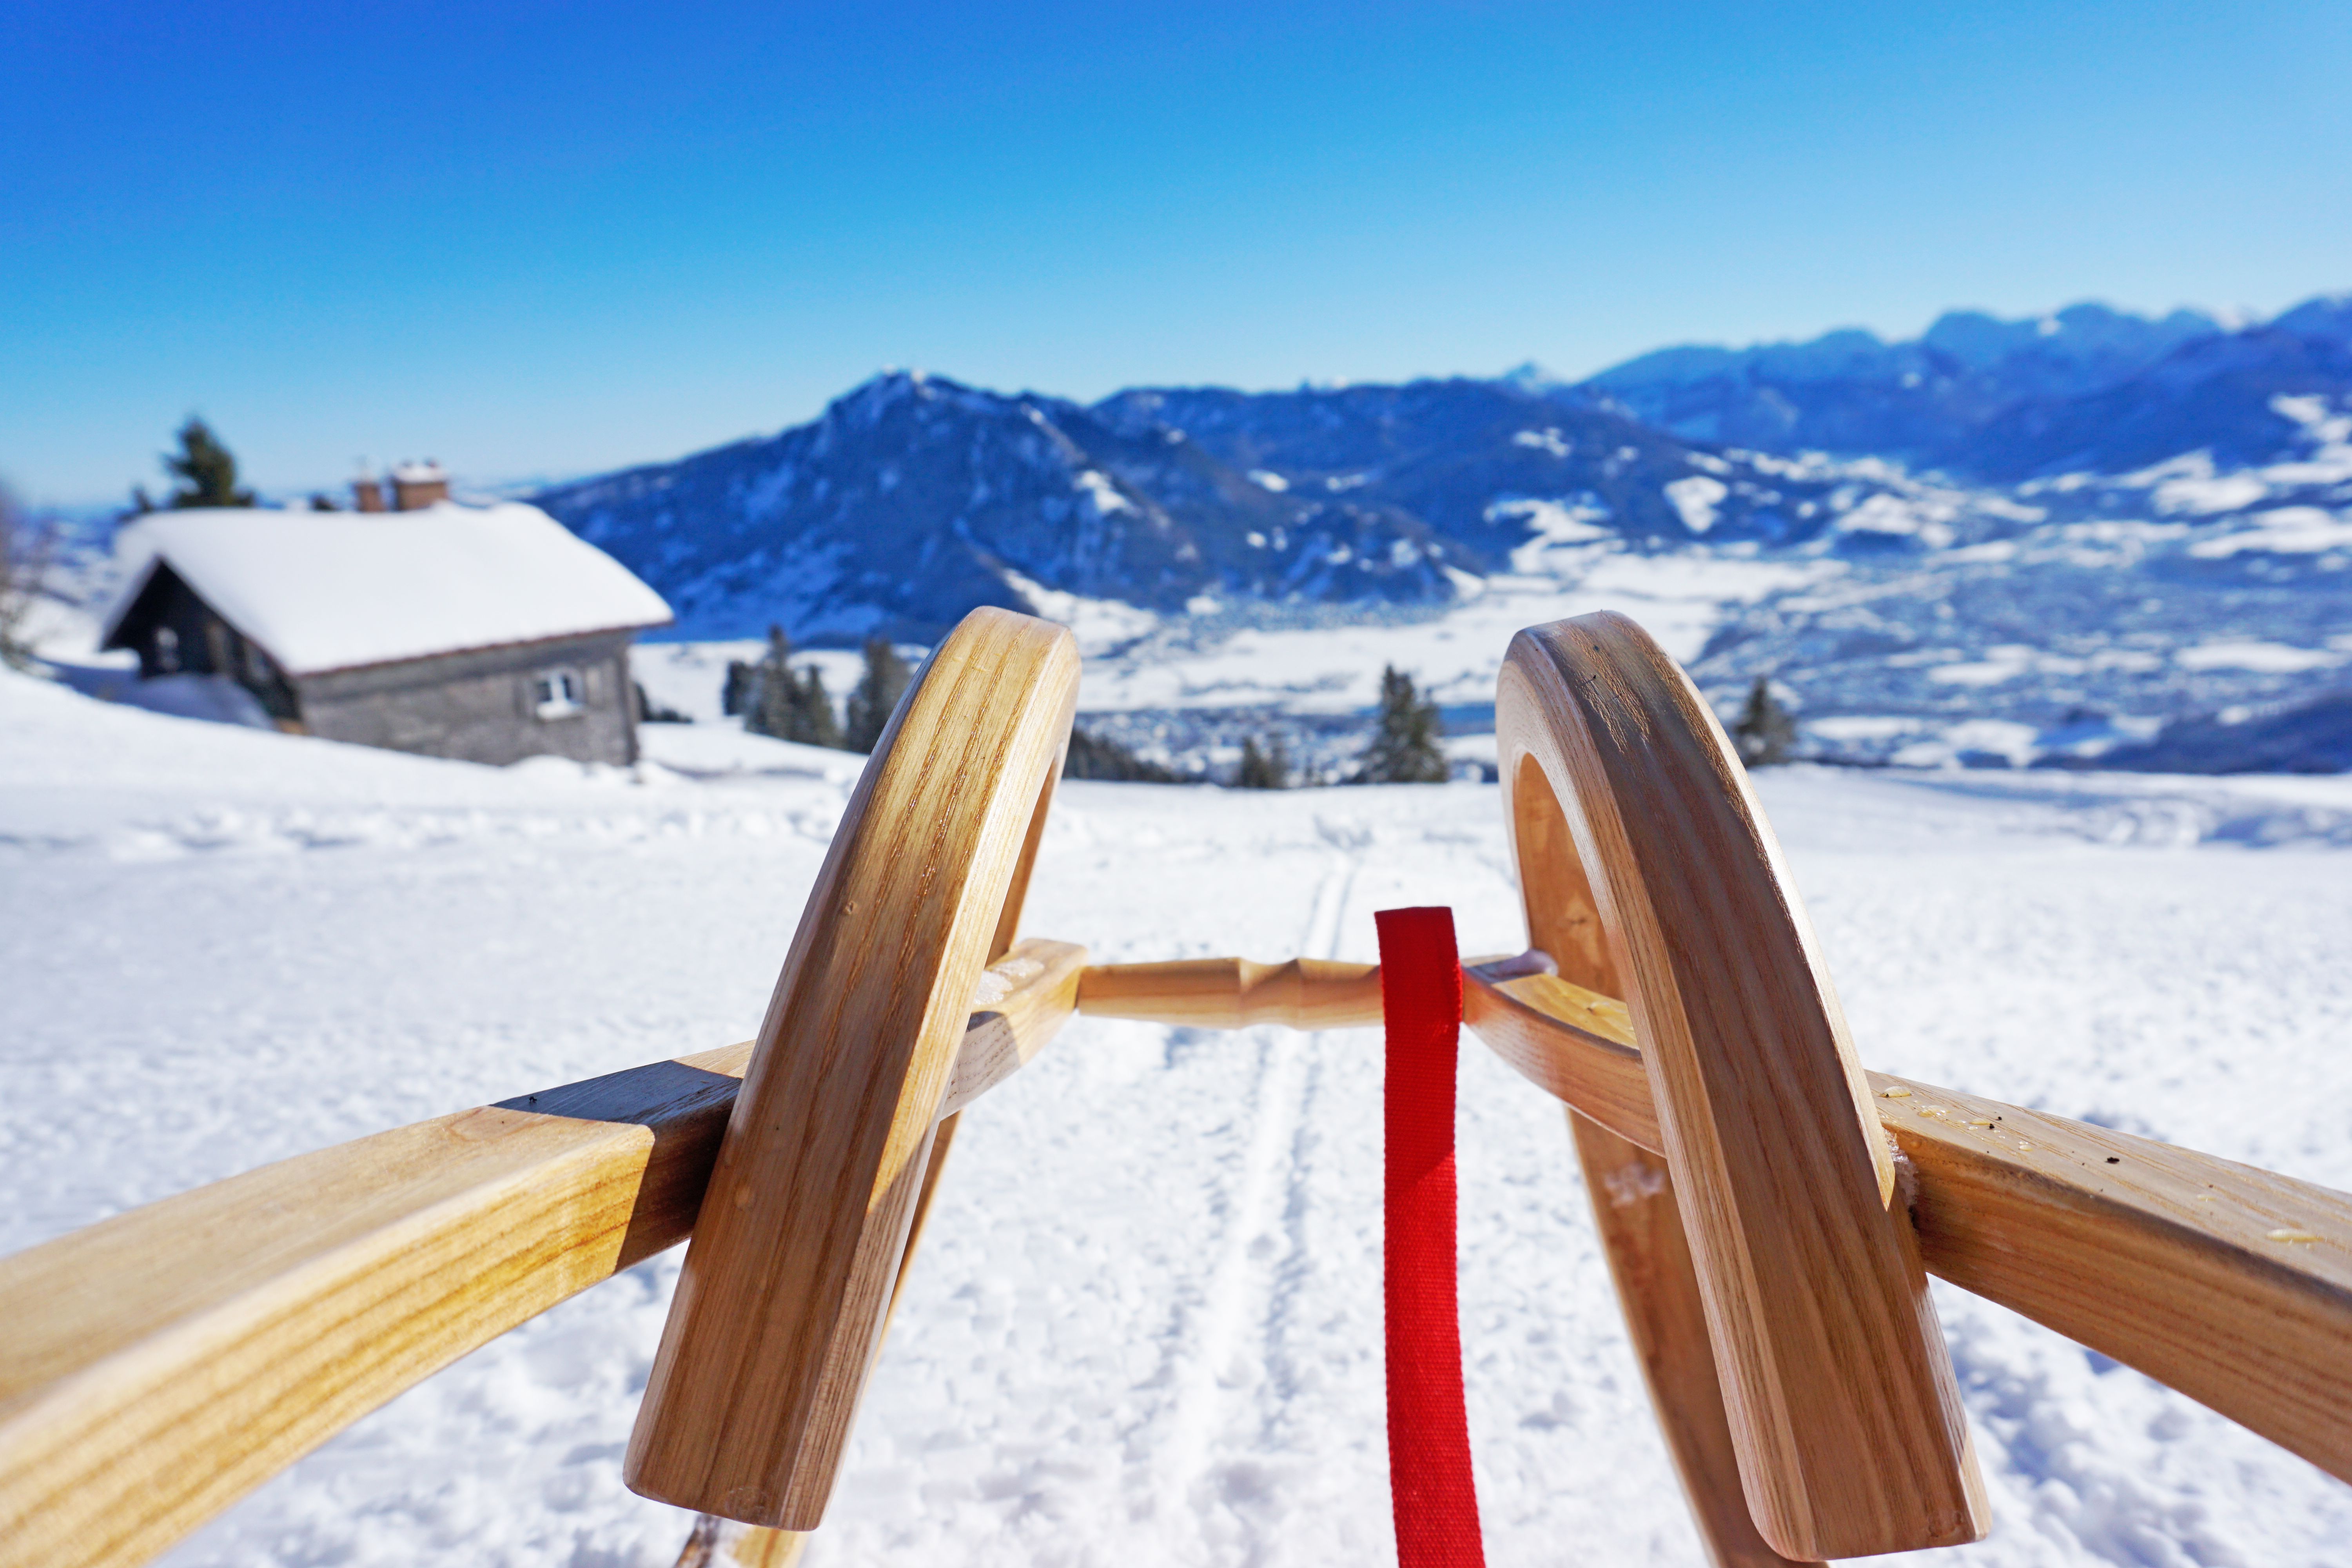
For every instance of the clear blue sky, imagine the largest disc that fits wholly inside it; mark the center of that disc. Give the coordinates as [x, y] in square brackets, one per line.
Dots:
[559, 238]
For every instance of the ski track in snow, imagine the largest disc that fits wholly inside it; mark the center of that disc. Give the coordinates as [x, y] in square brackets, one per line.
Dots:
[1145, 1325]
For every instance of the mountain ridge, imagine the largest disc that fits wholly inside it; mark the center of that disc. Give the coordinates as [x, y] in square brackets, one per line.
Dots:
[1997, 401]
[2171, 544]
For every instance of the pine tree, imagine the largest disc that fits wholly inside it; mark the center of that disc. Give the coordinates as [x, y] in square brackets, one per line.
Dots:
[769, 711]
[1766, 734]
[812, 720]
[1404, 748]
[742, 686]
[1093, 756]
[206, 469]
[876, 695]
[1267, 768]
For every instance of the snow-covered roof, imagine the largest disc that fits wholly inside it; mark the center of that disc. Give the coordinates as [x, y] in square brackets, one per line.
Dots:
[322, 590]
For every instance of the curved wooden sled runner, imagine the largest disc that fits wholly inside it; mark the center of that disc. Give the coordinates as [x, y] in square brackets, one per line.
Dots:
[1766, 1240]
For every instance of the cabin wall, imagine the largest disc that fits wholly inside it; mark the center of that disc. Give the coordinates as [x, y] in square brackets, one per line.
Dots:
[481, 706]
[175, 632]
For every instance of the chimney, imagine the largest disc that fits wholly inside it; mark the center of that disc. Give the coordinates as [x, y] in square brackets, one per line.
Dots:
[367, 491]
[419, 485]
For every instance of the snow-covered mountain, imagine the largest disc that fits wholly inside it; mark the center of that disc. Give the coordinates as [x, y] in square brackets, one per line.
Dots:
[913, 498]
[2085, 388]
[2167, 540]
[2213, 600]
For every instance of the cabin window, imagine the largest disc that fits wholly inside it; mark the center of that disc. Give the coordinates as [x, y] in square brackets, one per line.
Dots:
[556, 693]
[167, 651]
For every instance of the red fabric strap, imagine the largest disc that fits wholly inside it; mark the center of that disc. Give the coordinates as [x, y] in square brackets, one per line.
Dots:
[1434, 1498]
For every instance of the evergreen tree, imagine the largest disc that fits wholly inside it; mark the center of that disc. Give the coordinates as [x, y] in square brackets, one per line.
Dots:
[205, 470]
[1766, 732]
[652, 712]
[1404, 748]
[1099, 757]
[742, 685]
[769, 710]
[876, 696]
[813, 723]
[1267, 768]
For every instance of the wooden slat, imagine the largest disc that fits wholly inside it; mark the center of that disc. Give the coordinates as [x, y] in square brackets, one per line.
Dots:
[798, 1243]
[156, 1366]
[1836, 1379]
[979, 1065]
[1037, 977]
[1575, 1045]
[2229, 1283]
[1636, 1211]
[1234, 993]
[1649, 1260]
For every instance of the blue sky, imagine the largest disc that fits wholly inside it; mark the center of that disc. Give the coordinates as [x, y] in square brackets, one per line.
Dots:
[561, 239]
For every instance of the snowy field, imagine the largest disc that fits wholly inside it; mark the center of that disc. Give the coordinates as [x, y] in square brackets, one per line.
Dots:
[1145, 1327]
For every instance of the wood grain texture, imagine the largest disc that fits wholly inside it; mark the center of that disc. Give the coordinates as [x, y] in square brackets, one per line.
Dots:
[1839, 1390]
[1650, 1262]
[1038, 970]
[1234, 993]
[160, 1364]
[2229, 1283]
[798, 1239]
[1574, 1044]
[1633, 1198]
[1037, 979]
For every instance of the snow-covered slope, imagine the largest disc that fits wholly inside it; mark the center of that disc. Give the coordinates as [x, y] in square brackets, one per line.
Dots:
[1145, 1326]
[2185, 594]
[913, 499]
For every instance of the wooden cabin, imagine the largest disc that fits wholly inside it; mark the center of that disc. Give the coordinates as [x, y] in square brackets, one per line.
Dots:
[486, 634]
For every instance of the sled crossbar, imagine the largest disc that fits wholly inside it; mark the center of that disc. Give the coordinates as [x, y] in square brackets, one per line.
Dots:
[161, 1363]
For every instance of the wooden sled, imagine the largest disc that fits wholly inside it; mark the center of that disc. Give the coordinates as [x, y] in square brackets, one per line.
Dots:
[1767, 1205]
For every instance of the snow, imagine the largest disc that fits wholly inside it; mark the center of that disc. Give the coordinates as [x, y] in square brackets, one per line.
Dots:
[2282, 530]
[1099, 624]
[2264, 656]
[1145, 1325]
[1102, 494]
[1454, 656]
[322, 590]
[1695, 500]
[1980, 672]
[1563, 520]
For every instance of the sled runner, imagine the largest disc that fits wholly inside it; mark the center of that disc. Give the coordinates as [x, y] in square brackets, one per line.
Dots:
[1769, 1209]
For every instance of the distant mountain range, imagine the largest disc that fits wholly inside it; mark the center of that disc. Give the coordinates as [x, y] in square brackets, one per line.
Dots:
[913, 498]
[2088, 389]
